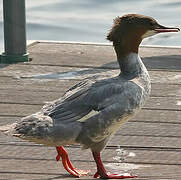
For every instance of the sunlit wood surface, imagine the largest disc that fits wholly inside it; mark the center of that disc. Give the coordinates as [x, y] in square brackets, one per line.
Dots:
[153, 135]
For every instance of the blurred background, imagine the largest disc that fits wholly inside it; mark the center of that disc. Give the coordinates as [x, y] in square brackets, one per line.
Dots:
[90, 20]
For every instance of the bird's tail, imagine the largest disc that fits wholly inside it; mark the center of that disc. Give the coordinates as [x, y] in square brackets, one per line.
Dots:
[8, 129]
[35, 128]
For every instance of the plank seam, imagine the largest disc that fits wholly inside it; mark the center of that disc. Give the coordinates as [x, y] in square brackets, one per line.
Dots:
[151, 148]
[78, 160]
[95, 67]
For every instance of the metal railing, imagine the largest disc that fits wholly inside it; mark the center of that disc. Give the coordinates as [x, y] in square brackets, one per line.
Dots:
[14, 32]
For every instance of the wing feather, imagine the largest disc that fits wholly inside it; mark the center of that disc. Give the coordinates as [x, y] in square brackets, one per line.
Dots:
[84, 97]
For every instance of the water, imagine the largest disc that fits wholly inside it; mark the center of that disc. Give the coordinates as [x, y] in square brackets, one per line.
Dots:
[90, 20]
[79, 74]
[120, 166]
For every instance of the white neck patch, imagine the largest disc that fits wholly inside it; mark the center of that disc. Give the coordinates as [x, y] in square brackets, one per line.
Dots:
[149, 33]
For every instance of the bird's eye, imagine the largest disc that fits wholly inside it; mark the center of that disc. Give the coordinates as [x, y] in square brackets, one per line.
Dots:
[151, 23]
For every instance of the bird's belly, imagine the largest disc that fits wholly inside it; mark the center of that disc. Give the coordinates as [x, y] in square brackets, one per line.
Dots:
[119, 123]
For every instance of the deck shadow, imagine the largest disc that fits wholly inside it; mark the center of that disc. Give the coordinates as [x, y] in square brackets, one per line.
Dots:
[171, 62]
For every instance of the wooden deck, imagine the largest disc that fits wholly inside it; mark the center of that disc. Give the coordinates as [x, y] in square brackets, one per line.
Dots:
[153, 137]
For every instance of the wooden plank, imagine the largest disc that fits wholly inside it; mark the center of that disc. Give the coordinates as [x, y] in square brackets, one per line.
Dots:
[153, 135]
[35, 160]
[8, 83]
[59, 87]
[170, 90]
[150, 129]
[136, 134]
[77, 54]
[154, 116]
[146, 157]
[158, 116]
[42, 72]
[36, 169]
[8, 120]
[68, 54]
[130, 142]
[52, 170]
[147, 142]
[40, 98]
[18, 109]
[141, 156]
[164, 103]
[56, 85]
[145, 115]
[147, 129]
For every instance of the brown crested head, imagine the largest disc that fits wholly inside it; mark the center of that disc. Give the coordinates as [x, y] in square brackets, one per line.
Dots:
[135, 27]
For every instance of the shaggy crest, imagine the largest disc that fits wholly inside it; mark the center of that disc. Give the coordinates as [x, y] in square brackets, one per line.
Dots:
[128, 23]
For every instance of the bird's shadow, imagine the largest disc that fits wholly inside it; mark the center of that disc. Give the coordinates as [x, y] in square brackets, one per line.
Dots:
[165, 62]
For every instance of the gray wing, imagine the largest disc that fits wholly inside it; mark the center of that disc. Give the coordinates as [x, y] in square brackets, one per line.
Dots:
[118, 108]
[70, 107]
[84, 97]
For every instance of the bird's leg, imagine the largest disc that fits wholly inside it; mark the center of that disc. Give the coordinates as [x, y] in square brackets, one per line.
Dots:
[101, 172]
[62, 152]
[65, 160]
[67, 163]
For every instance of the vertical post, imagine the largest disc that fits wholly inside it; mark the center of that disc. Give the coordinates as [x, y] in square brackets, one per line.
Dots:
[14, 32]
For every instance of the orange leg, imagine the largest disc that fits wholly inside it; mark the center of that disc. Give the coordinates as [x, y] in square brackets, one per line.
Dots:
[67, 163]
[101, 172]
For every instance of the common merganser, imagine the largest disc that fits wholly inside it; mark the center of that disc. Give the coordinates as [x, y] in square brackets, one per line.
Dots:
[92, 111]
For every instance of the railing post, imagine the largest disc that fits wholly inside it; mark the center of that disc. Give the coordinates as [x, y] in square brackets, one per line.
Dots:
[14, 32]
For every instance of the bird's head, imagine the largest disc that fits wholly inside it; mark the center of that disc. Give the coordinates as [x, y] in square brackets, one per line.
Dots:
[134, 27]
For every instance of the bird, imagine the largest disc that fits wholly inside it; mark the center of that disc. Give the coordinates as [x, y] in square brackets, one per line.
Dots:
[92, 111]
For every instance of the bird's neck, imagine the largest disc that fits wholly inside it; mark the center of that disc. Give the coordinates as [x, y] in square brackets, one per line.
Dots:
[129, 61]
